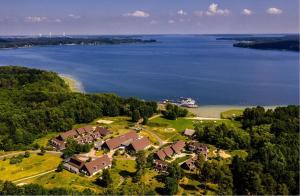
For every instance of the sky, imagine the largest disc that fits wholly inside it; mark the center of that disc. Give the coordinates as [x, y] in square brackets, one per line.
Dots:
[71, 17]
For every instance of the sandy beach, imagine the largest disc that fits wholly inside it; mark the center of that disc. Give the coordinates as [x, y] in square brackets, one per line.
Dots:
[74, 84]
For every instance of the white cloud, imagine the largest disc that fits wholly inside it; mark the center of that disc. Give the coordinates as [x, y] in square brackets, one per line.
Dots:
[213, 10]
[35, 19]
[181, 12]
[153, 22]
[247, 12]
[73, 16]
[57, 20]
[138, 13]
[274, 11]
[171, 21]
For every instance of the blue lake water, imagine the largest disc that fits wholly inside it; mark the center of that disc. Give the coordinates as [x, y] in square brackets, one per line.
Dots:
[211, 71]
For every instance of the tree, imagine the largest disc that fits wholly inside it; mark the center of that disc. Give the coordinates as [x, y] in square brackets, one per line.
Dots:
[42, 150]
[135, 116]
[141, 160]
[175, 171]
[60, 167]
[171, 186]
[106, 178]
[26, 154]
[145, 120]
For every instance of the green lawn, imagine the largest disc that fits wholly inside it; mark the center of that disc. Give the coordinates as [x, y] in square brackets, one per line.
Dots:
[43, 141]
[170, 130]
[180, 124]
[33, 165]
[66, 179]
[232, 113]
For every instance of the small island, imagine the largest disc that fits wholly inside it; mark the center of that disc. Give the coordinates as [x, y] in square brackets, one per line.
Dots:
[22, 42]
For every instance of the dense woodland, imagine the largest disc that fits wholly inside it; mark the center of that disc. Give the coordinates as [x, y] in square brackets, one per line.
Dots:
[34, 102]
[271, 139]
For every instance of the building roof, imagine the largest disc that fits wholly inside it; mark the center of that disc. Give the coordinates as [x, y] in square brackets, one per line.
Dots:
[103, 131]
[198, 145]
[75, 162]
[140, 144]
[161, 163]
[68, 134]
[87, 138]
[168, 151]
[97, 164]
[88, 128]
[178, 146]
[80, 130]
[161, 154]
[190, 163]
[122, 139]
[189, 132]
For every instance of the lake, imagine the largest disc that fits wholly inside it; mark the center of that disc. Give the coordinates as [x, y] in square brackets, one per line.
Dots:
[211, 71]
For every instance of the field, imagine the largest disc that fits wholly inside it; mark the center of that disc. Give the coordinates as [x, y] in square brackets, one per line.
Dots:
[43, 141]
[232, 113]
[33, 165]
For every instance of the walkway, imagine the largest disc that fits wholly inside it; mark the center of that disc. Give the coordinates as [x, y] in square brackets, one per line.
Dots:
[31, 151]
[36, 175]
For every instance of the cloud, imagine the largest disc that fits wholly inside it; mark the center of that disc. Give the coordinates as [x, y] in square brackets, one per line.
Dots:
[181, 12]
[35, 19]
[73, 16]
[171, 21]
[247, 12]
[213, 10]
[274, 11]
[138, 13]
[152, 22]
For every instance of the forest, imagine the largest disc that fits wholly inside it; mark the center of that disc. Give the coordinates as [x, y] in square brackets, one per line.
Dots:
[271, 138]
[34, 102]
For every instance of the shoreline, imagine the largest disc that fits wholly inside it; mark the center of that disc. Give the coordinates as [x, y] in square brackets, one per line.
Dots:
[74, 84]
[214, 111]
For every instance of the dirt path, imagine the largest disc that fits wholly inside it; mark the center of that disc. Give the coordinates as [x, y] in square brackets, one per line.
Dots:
[36, 175]
[32, 151]
[155, 116]
[203, 118]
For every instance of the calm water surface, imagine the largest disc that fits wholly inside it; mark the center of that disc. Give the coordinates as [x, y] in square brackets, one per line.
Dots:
[208, 70]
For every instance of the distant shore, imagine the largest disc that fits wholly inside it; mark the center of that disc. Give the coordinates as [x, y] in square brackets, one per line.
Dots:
[214, 111]
[74, 84]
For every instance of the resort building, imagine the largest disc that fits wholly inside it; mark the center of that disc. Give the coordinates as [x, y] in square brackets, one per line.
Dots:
[189, 133]
[161, 166]
[140, 144]
[97, 165]
[170, 150]
[122, 140]
[190, 164]
[74, 165]
[198, 148]
[83, 135]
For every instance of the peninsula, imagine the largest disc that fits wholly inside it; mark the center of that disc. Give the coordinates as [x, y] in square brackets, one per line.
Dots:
[287, 42]
[19, 42]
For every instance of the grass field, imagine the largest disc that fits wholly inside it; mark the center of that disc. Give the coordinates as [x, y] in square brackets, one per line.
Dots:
[67, 180]
[43, 141]
[33, 165]
[232, 113]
